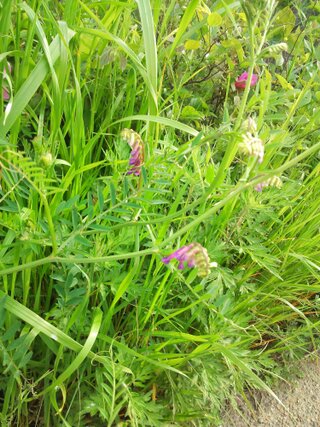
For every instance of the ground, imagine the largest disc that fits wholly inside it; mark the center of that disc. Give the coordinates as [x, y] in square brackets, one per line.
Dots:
[300, 397]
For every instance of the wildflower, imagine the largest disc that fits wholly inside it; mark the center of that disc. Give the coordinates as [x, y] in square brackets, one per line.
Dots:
[46, 159]
[194, 255]
[241, 81]
[136, 155]
[252, 146]
[274, 181]
[5, 92]
[249, 125]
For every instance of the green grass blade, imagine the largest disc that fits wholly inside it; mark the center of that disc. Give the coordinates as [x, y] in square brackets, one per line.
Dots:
[150, 44]
[185, 21]
[104, 34]
[31, 85]
[37, 322]
[82, 355]
[45, 327]
[236, 361]
[161, 120]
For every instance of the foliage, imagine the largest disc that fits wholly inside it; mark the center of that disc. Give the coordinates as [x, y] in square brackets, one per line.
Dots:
[95, 329]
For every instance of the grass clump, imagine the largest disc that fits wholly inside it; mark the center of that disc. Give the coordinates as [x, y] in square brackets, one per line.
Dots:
[223, 162]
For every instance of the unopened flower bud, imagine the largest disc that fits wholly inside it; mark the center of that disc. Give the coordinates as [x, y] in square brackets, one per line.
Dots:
[46, 159]
[249, 125]
[252, 146]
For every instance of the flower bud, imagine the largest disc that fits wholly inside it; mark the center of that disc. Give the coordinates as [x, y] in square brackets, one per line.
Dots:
[252, 146]
[46, 159]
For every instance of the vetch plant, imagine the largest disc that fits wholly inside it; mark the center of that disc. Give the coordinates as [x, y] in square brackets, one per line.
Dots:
[81, 279]
[241, 81]
[5, 91]
[137, 153]
[251, 144]
[194, 255]
[274, 181]
[5, 94]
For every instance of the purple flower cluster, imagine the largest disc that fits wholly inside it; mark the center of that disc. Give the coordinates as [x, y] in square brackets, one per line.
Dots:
[259, 187]
[137, 152]
[274, 181]
[136, 159]
[194, 255]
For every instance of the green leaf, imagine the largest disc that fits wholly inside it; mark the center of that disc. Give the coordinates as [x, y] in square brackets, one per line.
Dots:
[214, 19]
[149, 39]
[284, 22]
[192, 44]
[283, 82]
[210, 173]
[190, 112]
[162, 120]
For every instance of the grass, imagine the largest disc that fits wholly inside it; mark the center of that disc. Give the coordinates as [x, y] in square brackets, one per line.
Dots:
[95, 328]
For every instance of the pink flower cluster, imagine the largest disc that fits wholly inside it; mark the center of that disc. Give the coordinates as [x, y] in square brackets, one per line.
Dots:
[5, 94]
[241, 81]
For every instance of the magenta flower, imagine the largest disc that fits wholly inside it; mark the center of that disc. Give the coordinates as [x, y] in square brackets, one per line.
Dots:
[241, 81]
[194, 255]
[137, 152]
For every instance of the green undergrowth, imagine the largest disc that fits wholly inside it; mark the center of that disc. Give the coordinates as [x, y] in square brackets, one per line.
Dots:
[95, 329]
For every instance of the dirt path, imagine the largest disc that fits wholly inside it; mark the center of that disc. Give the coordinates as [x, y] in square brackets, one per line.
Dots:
[301, 398]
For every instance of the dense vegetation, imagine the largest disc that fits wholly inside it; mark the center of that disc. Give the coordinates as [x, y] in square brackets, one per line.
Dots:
[128, 130]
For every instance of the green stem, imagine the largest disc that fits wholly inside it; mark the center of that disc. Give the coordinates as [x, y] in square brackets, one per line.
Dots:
[247, 88]
[239, 188]
[233, 145]
[50, 223]
[75, 260]
[297, 102]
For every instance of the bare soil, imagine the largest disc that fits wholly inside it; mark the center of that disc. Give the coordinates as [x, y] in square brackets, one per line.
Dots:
[300, 397]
